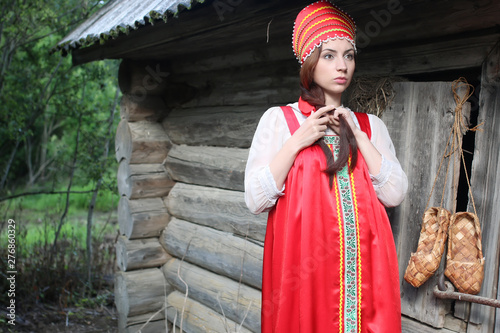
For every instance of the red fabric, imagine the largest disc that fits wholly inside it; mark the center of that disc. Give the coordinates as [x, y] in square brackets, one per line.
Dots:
[317, 23]
[301, 291]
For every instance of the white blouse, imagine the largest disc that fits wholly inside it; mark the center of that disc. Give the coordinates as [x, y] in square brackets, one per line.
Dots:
[261, 192]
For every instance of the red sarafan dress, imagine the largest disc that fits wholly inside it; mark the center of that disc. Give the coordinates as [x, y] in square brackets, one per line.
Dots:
[330, 263]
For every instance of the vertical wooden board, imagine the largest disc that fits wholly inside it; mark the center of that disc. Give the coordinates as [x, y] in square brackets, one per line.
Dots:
[485, 180]
[419, 122]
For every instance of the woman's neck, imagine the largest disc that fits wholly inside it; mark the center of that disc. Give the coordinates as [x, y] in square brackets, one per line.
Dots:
[333, 100]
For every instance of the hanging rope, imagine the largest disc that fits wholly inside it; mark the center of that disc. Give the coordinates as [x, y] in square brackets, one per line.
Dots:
[454, 143]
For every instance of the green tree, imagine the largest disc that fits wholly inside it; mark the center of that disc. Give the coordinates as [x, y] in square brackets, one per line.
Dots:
[42, 96]
[57, 120]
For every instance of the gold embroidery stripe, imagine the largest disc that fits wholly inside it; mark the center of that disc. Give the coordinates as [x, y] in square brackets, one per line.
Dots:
[355, 201]
[344, 26]
[341, 268]
[305, 47]
[305, 19]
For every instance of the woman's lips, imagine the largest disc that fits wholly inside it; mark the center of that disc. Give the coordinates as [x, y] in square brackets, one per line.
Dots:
[340, 80]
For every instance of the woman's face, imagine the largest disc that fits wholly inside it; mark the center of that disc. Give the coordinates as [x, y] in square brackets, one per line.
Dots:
[335, 67]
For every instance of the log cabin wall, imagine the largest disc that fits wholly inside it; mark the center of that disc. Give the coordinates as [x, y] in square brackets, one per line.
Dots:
[141, 146]
[182, 146]
[212, 236]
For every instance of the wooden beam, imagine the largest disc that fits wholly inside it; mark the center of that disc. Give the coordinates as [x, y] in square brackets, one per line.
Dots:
[140, 181]
[426, 57]
[239, 302]
[198, 318]
[209, 166]
[139, 292]
[141, 142]
[139, 253]
[227, 126]
[220, 209]
[216, 251]
[142, 218]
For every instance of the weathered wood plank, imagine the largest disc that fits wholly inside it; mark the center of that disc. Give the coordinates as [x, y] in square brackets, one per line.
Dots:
[258, 85]
[135, 323]
[197, 318]
[240, 303]
[217, 251]
[485, 180]
[419, 122]
[213, 126]
[142, 218]
[139, 292]
[134, 108]
[142, 142]
[436, 56]
[237, 58]
[209, 166]
[412, 326]
[223, 210]
[154, 326]
[139, 253]
[143, 180]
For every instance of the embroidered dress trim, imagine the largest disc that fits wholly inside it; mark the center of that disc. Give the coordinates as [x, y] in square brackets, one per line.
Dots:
[350, 263]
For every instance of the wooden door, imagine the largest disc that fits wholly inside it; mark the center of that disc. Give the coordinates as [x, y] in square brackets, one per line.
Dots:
[419, 122]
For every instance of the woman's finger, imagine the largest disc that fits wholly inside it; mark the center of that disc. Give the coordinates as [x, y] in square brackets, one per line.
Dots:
[322, 111]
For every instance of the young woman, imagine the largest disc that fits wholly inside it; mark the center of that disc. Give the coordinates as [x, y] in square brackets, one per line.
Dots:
[325, 173]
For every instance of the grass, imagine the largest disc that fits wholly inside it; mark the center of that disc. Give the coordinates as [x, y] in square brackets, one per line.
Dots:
[57, 274]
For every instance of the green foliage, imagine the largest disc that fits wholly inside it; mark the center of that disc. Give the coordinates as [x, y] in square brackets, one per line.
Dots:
[55, 121]
[46, 104]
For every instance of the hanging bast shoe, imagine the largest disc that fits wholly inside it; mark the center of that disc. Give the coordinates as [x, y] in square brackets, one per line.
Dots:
[426, 260]
[464, 260]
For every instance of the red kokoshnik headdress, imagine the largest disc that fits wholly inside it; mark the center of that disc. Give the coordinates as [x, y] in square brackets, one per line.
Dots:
[317, 23]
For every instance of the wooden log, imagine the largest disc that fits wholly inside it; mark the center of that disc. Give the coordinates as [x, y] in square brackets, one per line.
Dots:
[151, 327]
[240, 303]
[139, 253]
[142, 142]
[197, 318]
[217, 251]
[258, 86]
[232, 126]
[224, 210]
[139, 292]
[143, 180]
[142, 218]
[134, 109]
[134, 324]
[143, 78]
[210, 166]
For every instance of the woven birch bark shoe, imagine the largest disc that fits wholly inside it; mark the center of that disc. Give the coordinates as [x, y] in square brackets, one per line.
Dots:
[464, 259]
[426, 260]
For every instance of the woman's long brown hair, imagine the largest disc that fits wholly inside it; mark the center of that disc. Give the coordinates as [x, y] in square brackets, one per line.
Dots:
[314, 95]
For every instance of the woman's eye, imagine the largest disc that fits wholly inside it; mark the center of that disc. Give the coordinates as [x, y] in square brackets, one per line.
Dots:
[328, 56]
[349, 56]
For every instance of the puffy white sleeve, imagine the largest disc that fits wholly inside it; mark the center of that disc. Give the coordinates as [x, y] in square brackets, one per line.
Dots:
[261, 192]
[391, 184]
